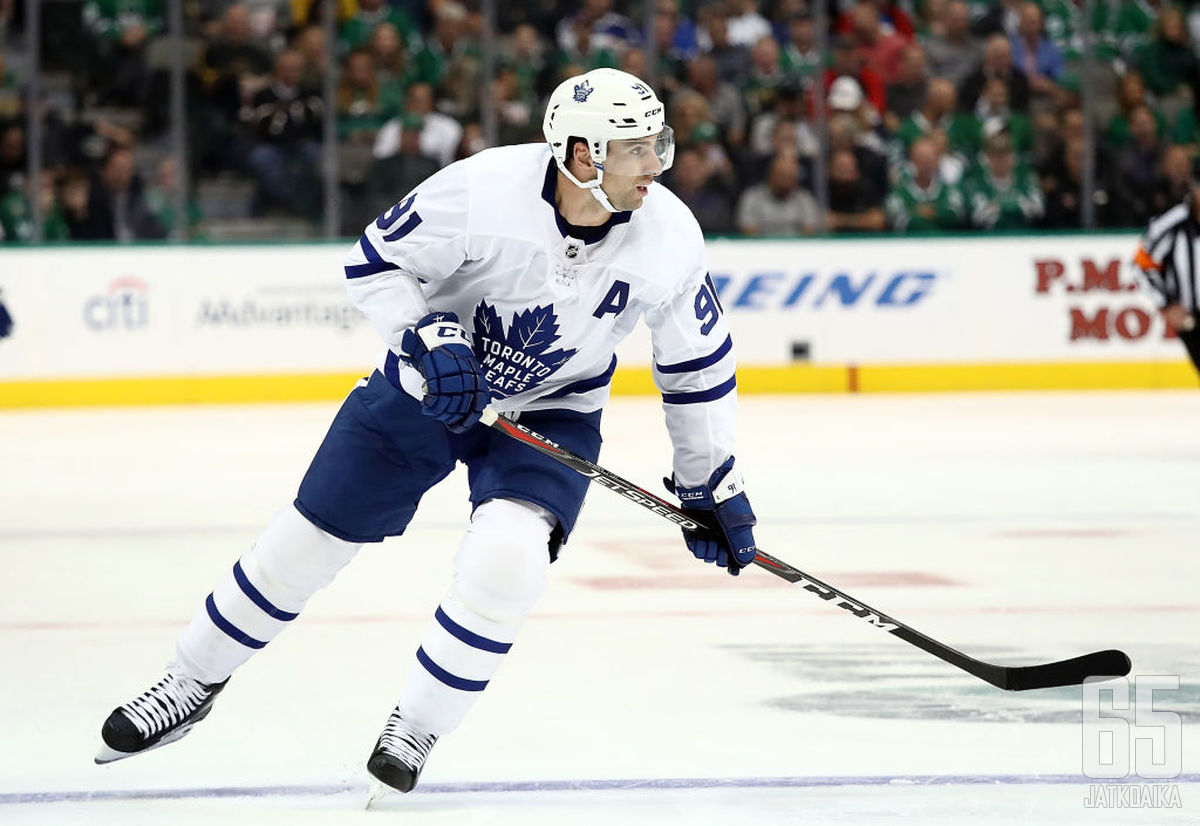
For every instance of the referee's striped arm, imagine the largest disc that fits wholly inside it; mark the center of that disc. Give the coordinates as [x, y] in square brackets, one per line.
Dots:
[1155, 249]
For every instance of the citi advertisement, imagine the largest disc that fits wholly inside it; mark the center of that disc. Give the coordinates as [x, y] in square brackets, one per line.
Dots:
[123, 305]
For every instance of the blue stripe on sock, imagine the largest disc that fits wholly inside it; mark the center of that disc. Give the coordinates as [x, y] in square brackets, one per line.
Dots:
[470, 637]
[229, 628]
[446, 677]
[256, 596]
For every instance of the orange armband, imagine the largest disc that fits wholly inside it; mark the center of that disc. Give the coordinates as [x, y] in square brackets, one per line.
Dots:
[1143, 260]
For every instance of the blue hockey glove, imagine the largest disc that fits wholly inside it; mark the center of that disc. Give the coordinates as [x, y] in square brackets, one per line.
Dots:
[721, 503]
[455, 390]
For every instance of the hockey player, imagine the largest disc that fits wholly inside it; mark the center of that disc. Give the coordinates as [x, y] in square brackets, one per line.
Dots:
[507, 279]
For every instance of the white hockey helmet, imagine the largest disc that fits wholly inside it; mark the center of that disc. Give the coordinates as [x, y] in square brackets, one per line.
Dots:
[606, 105]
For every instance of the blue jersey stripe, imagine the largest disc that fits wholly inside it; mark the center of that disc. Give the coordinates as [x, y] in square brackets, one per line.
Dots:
[468, 636]
[363, 270]
[700, 363]
[697, 396]
[375, 263]
[256, 596]
[229, 629]
[584, 385]
[410, 223]
[446, 677]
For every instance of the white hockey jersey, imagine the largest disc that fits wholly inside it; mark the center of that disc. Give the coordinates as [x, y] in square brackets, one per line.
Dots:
[482, 238]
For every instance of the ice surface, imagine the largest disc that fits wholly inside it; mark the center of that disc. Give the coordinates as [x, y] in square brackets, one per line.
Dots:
[646, 688]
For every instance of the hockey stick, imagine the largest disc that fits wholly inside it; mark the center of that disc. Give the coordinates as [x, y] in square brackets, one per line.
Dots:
[1110, 663]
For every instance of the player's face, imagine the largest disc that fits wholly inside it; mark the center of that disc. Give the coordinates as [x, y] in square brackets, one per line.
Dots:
[626, 192]
[631, 167]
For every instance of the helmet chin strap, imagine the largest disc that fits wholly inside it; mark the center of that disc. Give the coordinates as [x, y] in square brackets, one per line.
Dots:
[591, 186]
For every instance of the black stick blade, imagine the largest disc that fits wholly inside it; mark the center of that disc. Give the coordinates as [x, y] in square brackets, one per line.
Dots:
[1110, 663]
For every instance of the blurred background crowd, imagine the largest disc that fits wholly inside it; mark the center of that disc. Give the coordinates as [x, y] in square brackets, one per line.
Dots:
[790, 118]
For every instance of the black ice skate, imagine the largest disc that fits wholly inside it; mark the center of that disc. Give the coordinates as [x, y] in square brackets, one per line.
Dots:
[398, 757]
[161, 715]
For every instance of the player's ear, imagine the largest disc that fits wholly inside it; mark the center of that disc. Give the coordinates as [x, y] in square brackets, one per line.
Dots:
[580, 153]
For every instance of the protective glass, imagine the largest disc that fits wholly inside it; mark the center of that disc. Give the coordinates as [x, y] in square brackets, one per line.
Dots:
[650, 155]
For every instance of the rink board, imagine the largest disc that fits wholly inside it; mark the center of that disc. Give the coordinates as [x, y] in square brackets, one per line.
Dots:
[160, 324]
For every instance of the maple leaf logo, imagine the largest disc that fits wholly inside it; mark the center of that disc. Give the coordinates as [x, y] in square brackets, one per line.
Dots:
[520, 357]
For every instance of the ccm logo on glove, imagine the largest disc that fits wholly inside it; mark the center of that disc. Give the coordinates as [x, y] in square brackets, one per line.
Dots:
[442, 331]
[455, 390]
[722, 504]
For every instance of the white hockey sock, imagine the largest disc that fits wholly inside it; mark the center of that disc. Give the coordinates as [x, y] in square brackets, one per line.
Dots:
[500, 572]
[459, 654]
[264, 591]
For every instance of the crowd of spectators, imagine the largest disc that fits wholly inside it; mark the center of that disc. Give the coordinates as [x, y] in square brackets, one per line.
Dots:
[938, 115]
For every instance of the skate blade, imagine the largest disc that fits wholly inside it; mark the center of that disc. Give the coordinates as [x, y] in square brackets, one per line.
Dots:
[108, 754]
[376, 790]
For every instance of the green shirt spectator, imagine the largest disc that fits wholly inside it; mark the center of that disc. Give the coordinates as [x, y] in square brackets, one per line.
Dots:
[1123, 26]
[762, 83]
[993, 115]
[1185, 130]
[363, 103]
[10, 92]
[1131, 93]
[449, 43]
[160, 202]
[1120, 27]
[1167, 61]
[800, 58]
[528, 58]
[16, 220]
[356, 31]
[962, 132]
[111, 19]
[1118, 133]
[1003, 192]
[161, 205]
[1016, 124]
[394, 66]
[939, 113]
[920, 200]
